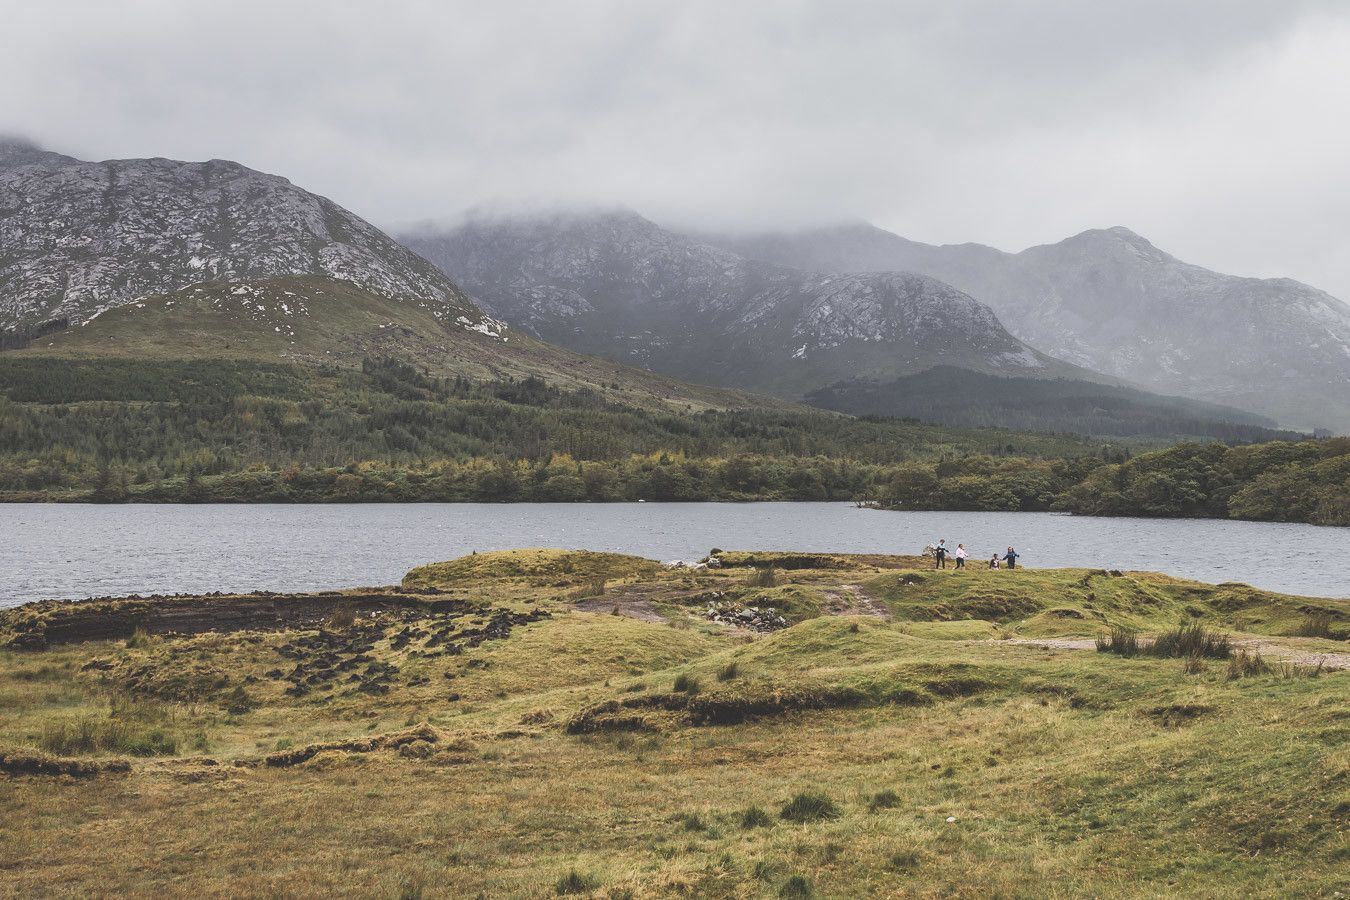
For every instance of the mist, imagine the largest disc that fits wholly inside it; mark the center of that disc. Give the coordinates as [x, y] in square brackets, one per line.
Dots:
[1216, 129]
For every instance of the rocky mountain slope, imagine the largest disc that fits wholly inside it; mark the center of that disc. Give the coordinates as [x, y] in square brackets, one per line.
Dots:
[617, 285]
[78, 238]
[1111, 301]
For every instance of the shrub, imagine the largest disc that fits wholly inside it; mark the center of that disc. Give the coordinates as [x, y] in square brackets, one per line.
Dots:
[796, 886]
[728, 672]
[687, 684]
[1121, 641]
[754, 817]
[808, 807]
[575, 883]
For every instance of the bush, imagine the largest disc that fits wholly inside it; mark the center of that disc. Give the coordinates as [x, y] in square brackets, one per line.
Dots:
[808, 807]
[575, 883]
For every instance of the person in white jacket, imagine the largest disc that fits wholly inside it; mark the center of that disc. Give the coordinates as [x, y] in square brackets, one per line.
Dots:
[960, 555]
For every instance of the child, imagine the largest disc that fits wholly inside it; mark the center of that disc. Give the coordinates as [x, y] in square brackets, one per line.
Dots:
[960, 556]
[993, 561]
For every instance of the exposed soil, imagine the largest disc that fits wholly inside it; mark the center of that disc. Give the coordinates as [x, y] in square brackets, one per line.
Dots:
[852, 600]
[40, 625]
[634, 601]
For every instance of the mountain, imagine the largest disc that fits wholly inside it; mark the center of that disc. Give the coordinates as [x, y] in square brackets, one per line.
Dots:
[615, 284]
[79, 238]
[1110, 300]
[160, 259]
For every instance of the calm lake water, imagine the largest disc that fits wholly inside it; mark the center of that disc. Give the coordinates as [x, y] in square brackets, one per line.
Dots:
[70, 551]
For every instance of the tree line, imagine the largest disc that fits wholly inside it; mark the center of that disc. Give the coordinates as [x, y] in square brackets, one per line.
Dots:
[225, 431]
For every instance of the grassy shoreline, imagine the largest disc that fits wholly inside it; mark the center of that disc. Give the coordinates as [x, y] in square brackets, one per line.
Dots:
[542, 722]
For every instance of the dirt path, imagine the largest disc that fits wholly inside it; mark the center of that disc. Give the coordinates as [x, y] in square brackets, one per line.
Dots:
[852, 600]
[1299, 656]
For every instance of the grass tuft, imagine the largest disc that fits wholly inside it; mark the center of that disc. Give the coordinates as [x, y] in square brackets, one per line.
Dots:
[809, 807]
[886, 799]
[754, 817]
[1120, 641]
[764, 577]
[575, 883]
[687, 684]
[797, 886]
[728, 672]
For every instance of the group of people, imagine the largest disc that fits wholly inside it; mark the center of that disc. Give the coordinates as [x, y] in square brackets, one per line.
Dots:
[941, 551]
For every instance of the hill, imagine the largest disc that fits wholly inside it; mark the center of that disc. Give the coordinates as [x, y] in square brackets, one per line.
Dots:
[615, 727]
[952, 396]
[1109, 300]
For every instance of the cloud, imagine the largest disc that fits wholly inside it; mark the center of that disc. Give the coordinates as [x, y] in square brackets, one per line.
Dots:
[1214, 128]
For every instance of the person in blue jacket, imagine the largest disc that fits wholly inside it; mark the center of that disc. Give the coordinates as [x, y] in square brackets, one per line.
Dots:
[1010, 558]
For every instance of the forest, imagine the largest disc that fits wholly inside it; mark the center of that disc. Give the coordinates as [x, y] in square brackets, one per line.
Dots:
[226, 431]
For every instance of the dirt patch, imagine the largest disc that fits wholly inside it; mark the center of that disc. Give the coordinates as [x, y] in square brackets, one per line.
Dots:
[852, 600]
[36, 626]
[633, 604]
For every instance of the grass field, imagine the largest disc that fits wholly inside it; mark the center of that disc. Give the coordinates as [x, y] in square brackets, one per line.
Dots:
[543, 723]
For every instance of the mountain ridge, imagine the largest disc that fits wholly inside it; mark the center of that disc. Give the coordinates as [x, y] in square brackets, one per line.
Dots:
[615, 283]
[1111, 300]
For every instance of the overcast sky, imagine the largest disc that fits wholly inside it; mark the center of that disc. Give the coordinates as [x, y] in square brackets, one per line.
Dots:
[1217, 129]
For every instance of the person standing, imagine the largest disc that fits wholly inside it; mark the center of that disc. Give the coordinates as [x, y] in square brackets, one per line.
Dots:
[960, 555]
[940, 554]
[1010, 558]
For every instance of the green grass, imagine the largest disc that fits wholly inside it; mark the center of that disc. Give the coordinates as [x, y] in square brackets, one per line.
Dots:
[848, 756]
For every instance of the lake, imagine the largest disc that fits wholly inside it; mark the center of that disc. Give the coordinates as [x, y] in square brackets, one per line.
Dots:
[70, 551]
